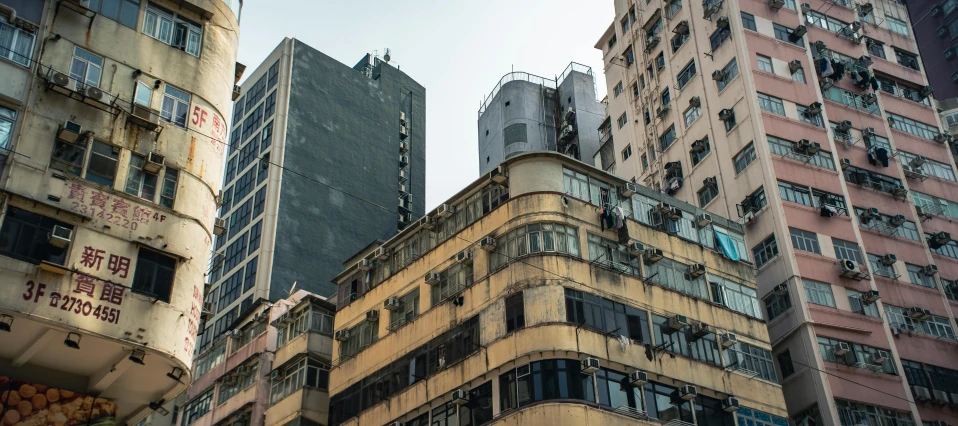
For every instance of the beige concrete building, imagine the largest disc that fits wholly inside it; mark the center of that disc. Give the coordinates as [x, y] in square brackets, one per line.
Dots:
[113, 129]
[519, 301]
[812, 124]
[273, 369]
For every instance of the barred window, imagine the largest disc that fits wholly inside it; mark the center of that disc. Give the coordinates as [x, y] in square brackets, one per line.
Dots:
[611, 254]
[744, 356]
[776, 304]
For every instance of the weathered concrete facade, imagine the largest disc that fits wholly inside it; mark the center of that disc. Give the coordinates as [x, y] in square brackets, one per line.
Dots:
[114, 136]
[811, 122]
[511, 285]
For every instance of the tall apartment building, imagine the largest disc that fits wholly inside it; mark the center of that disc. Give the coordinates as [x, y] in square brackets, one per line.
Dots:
[812, 123]
[935, 24]
[517, 302]
[272, 370]
[313, 143]
[113, 130]
[525, 112]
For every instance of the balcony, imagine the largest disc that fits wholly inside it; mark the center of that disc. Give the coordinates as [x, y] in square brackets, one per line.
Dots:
[65, 85]
[311, 343]
[306, 403]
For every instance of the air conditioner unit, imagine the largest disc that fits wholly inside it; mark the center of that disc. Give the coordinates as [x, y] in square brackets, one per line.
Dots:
[798, 32]
[794, 65]
[718, 75]
[714, 7]
[776, 4]
[930, 270]
[697, 270]
[660, 111]
[921, 393]
[850, 269]
[897, 220]
[918, 313]
[806, 7]
[704, 220]
[869, 99]
[498, 175]
[237, 92]
[207, 313]
[392, 304]
[60, 236]
[590, 365]
[699, 146]
[870, 296]
[403, 147]
[827, 83]
[638, 378]
[728, 340]
[695, 102]
[154, 163]
[445, 210]
[364, 265]
[844, 126]
[688, 392]
[372, 315]
[781, 290]
[464, 257]
[219, 225]
[145, 116]
[942, 137]
[342, 335]
[731, 404]
[889, 259]
[726, 114]
[427, 222]
[277, 375]
[899, 191]
[939, 396]
[636, 248]
[381, 253]
[842, 348]
[432, 278]
[403, 131]
[628, 190]
[869, 214]
[701, 329]
[939, 239]
[459, 397]
[402, 116]
[678, 322]
[815, 108]
[651, 43]
[880, 357]
[749, 217]
[912, 172]
[918, 161]
[93, 92]
[653, 255]
[59, 78]
[710, 182]
[487, 243]
[69, 132]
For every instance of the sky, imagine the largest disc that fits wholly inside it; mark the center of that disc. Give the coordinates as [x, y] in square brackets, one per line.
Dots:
[458, 50]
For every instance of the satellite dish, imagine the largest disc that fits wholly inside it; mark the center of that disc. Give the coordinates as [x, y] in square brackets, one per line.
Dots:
[387, 57]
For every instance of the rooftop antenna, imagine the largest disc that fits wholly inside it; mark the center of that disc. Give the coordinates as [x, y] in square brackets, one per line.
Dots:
[293, 287]
[387, 57]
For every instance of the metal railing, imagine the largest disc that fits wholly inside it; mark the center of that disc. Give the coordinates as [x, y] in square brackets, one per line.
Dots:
[515, 76]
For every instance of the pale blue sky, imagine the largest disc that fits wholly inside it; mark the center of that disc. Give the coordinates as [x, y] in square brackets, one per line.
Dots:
[457, 49]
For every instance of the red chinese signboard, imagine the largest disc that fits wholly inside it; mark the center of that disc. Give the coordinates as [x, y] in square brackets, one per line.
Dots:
[210, 124]
[31, 404]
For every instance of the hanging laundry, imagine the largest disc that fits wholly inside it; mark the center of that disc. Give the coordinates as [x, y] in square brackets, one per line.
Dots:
[872, 156]
[619, 217]
[824, 67]
[829, 211]
[874, 83]
[839, 68]
[882, 155]
[863, 75]
[624, 237]
[727, 246]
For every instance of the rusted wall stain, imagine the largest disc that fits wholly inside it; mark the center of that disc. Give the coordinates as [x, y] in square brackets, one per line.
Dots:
[190, 157]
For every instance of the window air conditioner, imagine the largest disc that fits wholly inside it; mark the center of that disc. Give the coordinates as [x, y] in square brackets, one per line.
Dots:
[919, 313]
[815, 108]
[403, 132]
[889, 259]
[498, 175]
[638, 378]
[636, 248]
[695, 102]
[628, 190]
[827, 83]
[445, 210]
[942, 137]
[237, 92]
[60, 236]
[704, 219]
[392, 304]
[731, 404]
[653, 255]
[897, 220]
[341, 335]
[728, 340]
[372, 315]
[154, 163]
[219, 225]
[697, 270]
[459, 397]
[678, 322]
[781, 290]
[929, 270]
[364, 265]
[487, 243]
[381, 253]
[427, 222]
[590, 365]
[69, 132]
[464, 257]
[726, 114]
[880, 357]
[844, 126]
[432, 278]
[701, 329]
[688, 392]
[842, 348]
[776, 4]
[718, 75]
[871, 296]
[794, 65]
[403, 147]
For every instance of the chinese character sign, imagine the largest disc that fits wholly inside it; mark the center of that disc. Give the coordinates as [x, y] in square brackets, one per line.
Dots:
[114, 210]
[207, 122]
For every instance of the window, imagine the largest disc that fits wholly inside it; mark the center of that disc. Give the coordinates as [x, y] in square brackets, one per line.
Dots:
[916, 276]
[168, 195]
[880, 268]
[259, 202]
[451, 282]
[697, 157]
[240, 218]
[86, 68]
[255, 233]
[912, 127]
[818, 293]
[755, 202]
[479, 409]
[765, 64]
[236, 381]
[951, 289]
[176, 104]
[851, 412]
[718, 37]
[771, 104]
[408, 310]
[515, 312]
[785, 363]
[730, 123]
[617, 89]
[776, 304]
[691, 114]
[859, 305]
[744, 356]
[686, 74]
[143, 94]
[305, 372]
[735, 296]
[635, 90]
[765, 251]
[897, 25]
[875, 47]
[622, 120]
[748, 21]
[102, 166]
[795, 193]
[784, 33]
[786, 148]
[198, 407]
[235, 253]
[546, 380]
[799, 76]
[154, 274]
[728, 74]
[627, 152]
[675, 275]
[8, 118]
[126, 12]
[931, 167]
[629, 56]
[16, 44]
[744, 157]
[173, 30]
[612, 41]
[534, 238]
[606, 316]
[269, 106]
[140, 182]
[666, 139]
[666, 97]
[611, 254]
[625, 25]
[845, 250]
[805, 241]
[678, 41]
[808, 118]
[25, 236]
[645, 162]
[706, 195]
[907, 59]
[850, 99]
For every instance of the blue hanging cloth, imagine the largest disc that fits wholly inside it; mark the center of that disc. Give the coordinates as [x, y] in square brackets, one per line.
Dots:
[727, 245]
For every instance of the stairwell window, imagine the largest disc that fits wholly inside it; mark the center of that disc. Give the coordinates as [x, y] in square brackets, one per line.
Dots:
[173, 30]
[623, 119]
[176, 105]
[154, 274]
[686, 74]
[139, 182]
[16, 44]
[744, 157]
[168, 195]
[765, 251]
[765, 64]
[748, 21]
